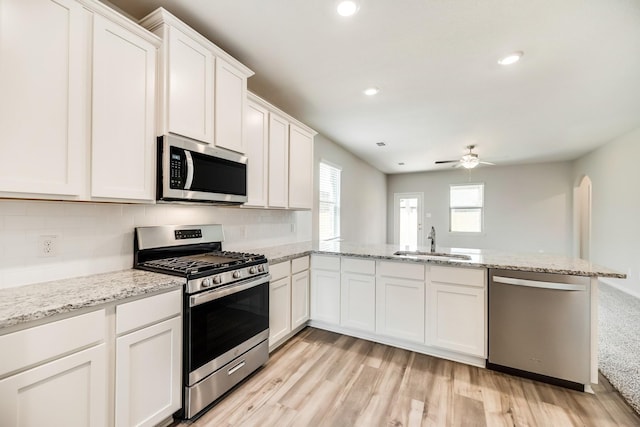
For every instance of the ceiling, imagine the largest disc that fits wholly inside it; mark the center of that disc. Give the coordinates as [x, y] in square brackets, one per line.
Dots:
[435, 61]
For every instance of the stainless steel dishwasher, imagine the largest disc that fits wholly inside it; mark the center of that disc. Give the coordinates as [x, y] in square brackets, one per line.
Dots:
[539, 326]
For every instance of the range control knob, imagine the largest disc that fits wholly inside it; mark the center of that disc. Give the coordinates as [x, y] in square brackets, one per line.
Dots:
[253, 270]
[206, 282]
[260, 268]
[217, 280]
[236, 274]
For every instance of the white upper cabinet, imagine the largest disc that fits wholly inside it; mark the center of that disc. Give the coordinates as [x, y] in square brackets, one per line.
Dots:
[189, 73]
[77, 109]
[123, 119]
[230, 97]
[257, 137]
[43, 94]
[280, 153]
[203, 89]
[278, 161]
[300, 168]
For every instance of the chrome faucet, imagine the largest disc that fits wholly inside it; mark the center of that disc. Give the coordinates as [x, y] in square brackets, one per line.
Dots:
[432, 237]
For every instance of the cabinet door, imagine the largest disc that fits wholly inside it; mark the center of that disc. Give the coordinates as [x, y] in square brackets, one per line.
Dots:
[278, 161]
[300, 168]
[70, 392]
[358, 304]
[123, 135]
[279, 309]
[257, 136]
[325, 296]
[43, 92]
[299, 298]
[190, 80]
[400, 308]
[230, 99]
[148, 381]
[457, 320]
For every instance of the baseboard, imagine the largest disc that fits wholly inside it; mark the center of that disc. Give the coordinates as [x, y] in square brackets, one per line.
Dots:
[418, 348]
[619, 287]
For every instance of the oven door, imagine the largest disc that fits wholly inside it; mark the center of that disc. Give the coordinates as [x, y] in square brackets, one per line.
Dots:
[223, 323]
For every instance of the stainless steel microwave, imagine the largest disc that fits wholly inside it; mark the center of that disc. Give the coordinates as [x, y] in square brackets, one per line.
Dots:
[191, 171]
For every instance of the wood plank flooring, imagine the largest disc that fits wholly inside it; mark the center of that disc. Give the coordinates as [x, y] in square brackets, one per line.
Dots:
[319, 378]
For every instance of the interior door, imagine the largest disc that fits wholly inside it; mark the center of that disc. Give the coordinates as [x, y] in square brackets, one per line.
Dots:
[408, 220]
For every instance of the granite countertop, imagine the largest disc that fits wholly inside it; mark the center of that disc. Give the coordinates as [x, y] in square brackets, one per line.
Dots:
[542, 263]
[27, 303]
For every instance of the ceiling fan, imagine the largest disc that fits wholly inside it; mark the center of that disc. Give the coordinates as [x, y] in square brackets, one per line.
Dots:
[468, 161]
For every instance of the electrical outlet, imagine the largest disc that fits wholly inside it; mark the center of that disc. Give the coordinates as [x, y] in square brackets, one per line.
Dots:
[48, 246]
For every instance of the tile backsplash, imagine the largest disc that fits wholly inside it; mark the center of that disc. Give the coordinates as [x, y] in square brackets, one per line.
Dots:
[98, 237]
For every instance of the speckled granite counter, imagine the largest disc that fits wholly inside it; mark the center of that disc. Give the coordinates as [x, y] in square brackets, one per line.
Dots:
[32, 302]
[543, 263]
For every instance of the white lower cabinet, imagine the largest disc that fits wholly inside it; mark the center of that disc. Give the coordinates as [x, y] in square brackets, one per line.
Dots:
[457, 306]
[400, 308]
[299, 298]
[55, 374]
[438, 310]
[148, 360]
[325, 289]
[279, 309]
[288, 299]
[358, 293]
[457, 318]
[70, 392]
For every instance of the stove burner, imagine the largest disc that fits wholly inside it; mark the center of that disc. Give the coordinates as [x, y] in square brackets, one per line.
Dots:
[192, 264]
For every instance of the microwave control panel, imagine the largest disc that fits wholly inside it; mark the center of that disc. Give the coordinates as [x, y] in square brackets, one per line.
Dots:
[176, 162]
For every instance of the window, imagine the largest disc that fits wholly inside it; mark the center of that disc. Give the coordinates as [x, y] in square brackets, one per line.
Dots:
[329, 217]
[466, 204]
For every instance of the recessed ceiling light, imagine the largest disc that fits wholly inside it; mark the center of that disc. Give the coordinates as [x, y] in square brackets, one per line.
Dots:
[347, 7]
[371, 91]
[512, 58]
[380, 144]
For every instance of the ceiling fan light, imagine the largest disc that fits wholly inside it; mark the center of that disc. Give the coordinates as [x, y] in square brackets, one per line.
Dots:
[469, 161]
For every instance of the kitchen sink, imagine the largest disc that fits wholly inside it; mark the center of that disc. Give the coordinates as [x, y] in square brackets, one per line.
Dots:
[434, 255]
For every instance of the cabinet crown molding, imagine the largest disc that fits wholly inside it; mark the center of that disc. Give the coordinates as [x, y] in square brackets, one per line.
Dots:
[161, 16]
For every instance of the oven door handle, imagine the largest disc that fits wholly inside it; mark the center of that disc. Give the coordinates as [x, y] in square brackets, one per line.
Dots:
[224, 291]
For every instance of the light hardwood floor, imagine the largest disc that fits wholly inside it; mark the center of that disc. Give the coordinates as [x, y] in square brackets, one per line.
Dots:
[319, 378]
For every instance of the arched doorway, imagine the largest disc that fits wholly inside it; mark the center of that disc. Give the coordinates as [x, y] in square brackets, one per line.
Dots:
[582, 215]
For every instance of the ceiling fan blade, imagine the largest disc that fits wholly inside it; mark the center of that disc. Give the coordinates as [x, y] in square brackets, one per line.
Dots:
[487, 163]
[439, 162]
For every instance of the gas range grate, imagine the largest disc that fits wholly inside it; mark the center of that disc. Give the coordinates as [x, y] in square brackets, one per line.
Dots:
[207, 262]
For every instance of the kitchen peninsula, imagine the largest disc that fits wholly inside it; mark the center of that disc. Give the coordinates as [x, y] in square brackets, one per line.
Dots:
[436, 305]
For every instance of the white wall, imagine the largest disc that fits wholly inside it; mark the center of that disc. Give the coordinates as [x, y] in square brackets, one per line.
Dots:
[363, 194]
[95, 238]
[615, 214]
[528, 208]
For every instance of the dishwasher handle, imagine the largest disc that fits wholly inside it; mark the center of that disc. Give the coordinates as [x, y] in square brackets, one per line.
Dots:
[539, 284]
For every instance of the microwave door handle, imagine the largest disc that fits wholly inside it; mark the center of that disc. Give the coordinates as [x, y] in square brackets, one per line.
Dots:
[189, 180]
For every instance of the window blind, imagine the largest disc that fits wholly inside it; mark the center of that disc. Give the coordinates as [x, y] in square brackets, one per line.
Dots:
[329, 215]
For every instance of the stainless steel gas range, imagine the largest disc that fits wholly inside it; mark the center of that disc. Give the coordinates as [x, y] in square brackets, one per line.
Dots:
[225, 308]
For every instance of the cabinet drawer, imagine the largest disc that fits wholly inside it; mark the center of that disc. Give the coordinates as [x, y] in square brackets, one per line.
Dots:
[459, 276]
[322, 262]
[135, 314]
[279, 270]
[299, 264]
[34, 345]
[403, 270]
[357, 265]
